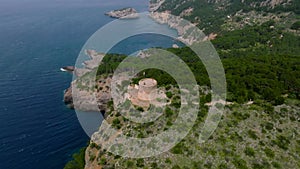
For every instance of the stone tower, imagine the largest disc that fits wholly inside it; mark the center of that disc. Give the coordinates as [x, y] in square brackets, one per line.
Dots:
[146, 86]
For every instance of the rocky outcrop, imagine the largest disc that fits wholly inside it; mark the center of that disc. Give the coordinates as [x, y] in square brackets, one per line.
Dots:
[187, 12]
[91, 164]
[125, 13]
[187, 32]
[87, 100]
[155, 4]
[86, 94]
[270, 3]
[67, 68]
[68, 100]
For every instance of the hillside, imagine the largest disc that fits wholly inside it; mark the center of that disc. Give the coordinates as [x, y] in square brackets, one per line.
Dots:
[224, 15]
[262, 134]
[258, 42]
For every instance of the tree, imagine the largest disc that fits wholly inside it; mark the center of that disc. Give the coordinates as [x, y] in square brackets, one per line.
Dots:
[78, 161]
[249, 151]
[296, 25]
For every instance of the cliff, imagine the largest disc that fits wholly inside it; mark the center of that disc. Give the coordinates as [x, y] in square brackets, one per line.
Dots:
[81, 94]
[155, 4]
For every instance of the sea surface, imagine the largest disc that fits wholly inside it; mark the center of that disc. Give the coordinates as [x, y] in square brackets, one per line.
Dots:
[37, 37]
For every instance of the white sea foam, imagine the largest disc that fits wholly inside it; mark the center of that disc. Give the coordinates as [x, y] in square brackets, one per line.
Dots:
[63, 70]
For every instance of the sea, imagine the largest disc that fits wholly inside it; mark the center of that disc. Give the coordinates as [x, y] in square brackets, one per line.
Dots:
[37, 38]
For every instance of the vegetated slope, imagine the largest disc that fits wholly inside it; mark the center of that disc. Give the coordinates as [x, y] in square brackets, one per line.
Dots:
[259, 135]
[258, 43]
[212, 15]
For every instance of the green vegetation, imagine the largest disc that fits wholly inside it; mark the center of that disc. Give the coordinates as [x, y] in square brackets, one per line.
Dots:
[249, 151]
[78, 161]
[110, 63]
[261, 62]
[269, 152]
[213, 14]
[255, 69]
[296, 25]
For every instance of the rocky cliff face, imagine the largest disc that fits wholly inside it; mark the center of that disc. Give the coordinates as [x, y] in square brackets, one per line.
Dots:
[155, 4]
[86, 93]
[215, 16]
[91, 98]
[90, 162]
[68, 100]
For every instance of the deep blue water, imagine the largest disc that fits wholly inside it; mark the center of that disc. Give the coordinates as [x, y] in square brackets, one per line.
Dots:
[37, 37]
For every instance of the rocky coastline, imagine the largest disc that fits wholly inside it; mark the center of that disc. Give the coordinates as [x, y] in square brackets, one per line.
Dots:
[83, 95]
[68, 100]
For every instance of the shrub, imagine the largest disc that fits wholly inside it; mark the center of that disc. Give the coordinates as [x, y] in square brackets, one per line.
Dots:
[269, 126]
[92, 158]
[102, 161]
[281, 142]
[129, 164]
[169, 95]
[78, 161]
[296, 25]
[252, 134]
[140, 109]
[276, 165]
[222, 166]
[249, 151]
[169, 112]
[279, 101]
[176, 167]
[116, 121]
[140, 162]
[176, 103]
[269, 152]
[262, 165]
[94, 145]
[239, 163]
[178, 149]
[168, 160]
[154, 166]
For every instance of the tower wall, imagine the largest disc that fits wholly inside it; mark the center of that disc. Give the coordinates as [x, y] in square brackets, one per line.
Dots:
[146, 86]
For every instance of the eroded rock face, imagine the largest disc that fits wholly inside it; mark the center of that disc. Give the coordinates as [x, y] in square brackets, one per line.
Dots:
[68, 68]
[68, 100]
[155, 4]
[85, 94]
[103, 94]
[89, 163]
[89, 100]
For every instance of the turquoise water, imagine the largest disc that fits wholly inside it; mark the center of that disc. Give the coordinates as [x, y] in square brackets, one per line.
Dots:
[37, 37]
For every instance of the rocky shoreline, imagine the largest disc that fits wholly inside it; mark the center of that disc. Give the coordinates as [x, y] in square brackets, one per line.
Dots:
[68, 100]
[90, 65]
[84, 94]
[187, 32]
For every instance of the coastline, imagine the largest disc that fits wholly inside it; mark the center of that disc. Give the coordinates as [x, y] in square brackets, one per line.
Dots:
[88, 67]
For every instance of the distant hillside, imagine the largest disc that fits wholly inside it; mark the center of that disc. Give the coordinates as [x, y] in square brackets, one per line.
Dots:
[216, 15]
